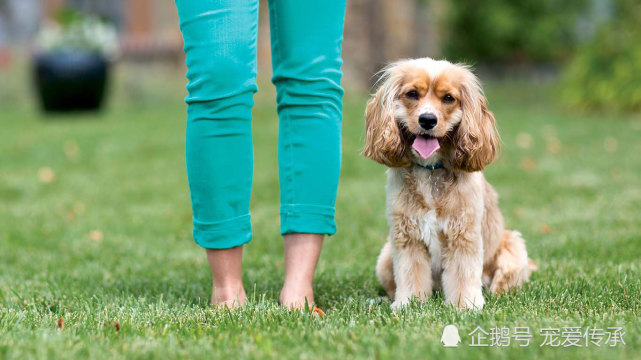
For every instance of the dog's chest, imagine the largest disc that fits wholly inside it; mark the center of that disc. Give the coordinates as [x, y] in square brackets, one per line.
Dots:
[417, 198]
[430, 226]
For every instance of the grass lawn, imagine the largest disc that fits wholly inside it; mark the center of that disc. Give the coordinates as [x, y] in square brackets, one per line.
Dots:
[95, 228]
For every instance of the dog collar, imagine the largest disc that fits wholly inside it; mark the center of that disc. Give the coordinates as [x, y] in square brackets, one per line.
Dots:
[438, 165]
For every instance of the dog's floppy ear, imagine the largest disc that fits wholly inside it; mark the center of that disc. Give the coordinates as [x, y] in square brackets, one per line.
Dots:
[384, 140]
[476, 141]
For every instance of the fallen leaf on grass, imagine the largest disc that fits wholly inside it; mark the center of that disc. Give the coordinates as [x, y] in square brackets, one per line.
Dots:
[116, 324]
[61, 323]
[545, 229]
[316, 311]
[528, 164]
[95, 235]
[46, 175]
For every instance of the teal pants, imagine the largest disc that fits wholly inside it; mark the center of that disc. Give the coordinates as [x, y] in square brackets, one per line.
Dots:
[220, 47]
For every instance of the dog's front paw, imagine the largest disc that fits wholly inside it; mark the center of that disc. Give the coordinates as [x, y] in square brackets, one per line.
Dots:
[471, 302]
[399, 304]
[476, 303]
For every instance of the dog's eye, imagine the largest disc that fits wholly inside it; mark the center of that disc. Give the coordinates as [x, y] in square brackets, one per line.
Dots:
[412, 94]
[448, 99]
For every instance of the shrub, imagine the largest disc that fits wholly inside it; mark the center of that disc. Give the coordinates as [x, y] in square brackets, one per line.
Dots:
[606, 72]
[524, 31]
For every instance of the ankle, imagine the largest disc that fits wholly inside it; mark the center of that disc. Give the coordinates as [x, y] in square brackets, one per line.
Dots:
[226, 273]
[228, 294]
[298, 284]
[301, 256]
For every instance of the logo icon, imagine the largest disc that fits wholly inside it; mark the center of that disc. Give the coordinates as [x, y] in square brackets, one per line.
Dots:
[450, 337]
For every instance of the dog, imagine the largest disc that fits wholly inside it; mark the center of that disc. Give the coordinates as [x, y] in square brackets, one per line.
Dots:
[429, 123]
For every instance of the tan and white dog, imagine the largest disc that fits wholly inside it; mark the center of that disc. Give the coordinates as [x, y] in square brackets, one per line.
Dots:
[429, 123]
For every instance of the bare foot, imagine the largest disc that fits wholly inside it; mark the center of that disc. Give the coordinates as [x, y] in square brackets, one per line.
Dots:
[230, 298]
[293, 297]
[227, 281]
[301, 256]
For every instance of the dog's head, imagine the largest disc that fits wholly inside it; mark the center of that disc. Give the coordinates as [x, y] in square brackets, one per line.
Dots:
[426, 107]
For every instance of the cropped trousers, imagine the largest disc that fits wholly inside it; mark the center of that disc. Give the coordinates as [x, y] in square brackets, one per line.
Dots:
[220, 46]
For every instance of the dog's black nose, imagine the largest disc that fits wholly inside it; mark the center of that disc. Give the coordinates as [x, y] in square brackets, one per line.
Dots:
[427, 121]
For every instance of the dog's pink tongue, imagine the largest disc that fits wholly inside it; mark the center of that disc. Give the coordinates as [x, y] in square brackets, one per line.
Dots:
[426, 146]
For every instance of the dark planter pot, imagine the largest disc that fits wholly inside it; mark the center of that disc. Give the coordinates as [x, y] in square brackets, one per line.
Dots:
[72, 80]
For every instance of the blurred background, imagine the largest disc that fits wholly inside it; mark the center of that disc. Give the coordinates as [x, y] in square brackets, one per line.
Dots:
[590, 47]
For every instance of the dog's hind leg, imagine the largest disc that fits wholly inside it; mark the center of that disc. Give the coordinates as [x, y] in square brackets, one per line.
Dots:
[511, 267]
[385, 270]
